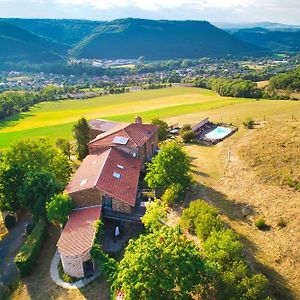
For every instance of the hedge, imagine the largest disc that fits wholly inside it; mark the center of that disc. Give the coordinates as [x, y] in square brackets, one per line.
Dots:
[29, 252]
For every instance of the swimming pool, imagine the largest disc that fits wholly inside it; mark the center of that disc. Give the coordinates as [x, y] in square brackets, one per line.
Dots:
[218, 133]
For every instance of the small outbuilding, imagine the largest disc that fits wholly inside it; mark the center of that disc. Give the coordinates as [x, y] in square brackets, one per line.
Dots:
[76, 242]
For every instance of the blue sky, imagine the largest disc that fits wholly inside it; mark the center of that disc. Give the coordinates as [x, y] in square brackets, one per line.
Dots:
[283, 11]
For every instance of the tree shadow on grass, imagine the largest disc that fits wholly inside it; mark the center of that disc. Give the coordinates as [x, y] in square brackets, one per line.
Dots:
[241, 212]
[233, 210]
[14, 120]
[278, 285]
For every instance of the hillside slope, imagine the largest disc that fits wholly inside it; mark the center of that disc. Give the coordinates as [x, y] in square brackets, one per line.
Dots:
[131, 38]
[272, 40]
[19, 44]
[64, 31]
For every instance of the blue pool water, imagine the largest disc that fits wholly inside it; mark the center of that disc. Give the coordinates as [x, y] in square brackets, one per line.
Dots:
[218, 133]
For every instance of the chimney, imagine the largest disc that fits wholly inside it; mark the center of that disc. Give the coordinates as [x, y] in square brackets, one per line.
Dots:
[138, 120]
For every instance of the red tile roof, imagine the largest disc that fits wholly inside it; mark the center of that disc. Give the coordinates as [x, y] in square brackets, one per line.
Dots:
[98, 170]
[124, 188]
[88, 173]
[137, 134]
[103, 125]
[79, 232]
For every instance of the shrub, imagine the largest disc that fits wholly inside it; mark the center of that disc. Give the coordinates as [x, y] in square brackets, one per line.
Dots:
[249, 123]
[187, 135]
[186, 127]
[29, 228]
[29, 252]
[223, 248]
[10, 221]
[281, 223]
[260, 223]
[202, 219]
[172, 193]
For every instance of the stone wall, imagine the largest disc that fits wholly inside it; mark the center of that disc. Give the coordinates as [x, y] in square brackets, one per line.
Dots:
[87, 197]
[147, 150]
[94, 133]
[94, 149]
[93, 196]
[72, 265]
[120, 206]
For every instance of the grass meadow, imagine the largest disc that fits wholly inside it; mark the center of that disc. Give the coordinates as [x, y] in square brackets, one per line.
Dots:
[55, 119]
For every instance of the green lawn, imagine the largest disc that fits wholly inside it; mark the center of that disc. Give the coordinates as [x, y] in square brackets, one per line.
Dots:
[55, 119]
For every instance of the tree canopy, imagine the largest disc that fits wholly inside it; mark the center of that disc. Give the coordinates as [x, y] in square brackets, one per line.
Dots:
[160, 265]
[24, 167]
[36, 189]
[162, 128]
[58, 209]
[170, 166]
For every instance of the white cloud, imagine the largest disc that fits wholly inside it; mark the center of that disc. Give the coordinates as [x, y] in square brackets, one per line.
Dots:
[160, 4]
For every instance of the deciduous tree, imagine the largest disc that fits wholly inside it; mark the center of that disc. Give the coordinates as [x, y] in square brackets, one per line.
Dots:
[59, 208]
[170, 166]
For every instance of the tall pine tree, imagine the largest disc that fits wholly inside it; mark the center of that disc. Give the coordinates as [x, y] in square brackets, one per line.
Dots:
[81, 133]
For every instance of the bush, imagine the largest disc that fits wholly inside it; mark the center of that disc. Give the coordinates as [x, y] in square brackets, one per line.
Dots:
[29, 252]
[187, 135]
[186, 127]
[29, 228]
[172, 193]
[202, 219]
[10, 221]
[260, 223]
[249, 123]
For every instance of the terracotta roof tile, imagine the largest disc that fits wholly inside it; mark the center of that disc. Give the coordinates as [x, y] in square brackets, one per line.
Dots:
[97, 171]
[88, 173]
[104, 125]
[125, 187]
[137, 135]
[78, 234]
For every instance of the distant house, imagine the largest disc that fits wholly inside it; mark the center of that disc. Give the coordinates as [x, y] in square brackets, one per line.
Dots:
[106, 184]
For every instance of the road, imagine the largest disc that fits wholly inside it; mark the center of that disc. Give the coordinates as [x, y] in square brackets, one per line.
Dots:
[9, 246]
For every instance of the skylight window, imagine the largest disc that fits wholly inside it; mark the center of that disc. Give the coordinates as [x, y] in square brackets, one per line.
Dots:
[120, 140]
[83, 182]
[117, 175]
[120, 167]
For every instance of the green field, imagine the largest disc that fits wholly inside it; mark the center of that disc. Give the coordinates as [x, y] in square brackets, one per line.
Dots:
[55, 119]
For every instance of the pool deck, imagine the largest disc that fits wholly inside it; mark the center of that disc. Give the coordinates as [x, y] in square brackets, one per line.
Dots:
[211, 127]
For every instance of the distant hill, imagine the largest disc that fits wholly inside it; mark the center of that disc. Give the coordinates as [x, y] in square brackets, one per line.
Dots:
[272, 40]
[61, 30]
[131, 38]
[18, 44]
[267, 25]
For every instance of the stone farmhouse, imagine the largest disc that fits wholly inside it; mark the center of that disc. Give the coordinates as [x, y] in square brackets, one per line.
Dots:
[106, 184]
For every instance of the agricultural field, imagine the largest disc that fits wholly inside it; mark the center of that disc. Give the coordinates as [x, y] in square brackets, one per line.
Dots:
[55, 119]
